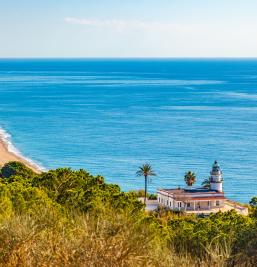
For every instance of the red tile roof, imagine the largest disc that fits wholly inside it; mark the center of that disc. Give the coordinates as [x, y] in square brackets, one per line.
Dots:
[193, 194]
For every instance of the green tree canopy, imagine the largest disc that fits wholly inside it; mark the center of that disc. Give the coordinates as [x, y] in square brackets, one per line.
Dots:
[16, 168]
[253, 202]
[190, 178]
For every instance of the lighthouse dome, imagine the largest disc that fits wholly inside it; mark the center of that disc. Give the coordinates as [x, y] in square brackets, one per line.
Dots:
[216, 168]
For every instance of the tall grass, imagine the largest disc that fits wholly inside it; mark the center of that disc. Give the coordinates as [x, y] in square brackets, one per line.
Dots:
[106, 239]
[70, 218]
[109, 239]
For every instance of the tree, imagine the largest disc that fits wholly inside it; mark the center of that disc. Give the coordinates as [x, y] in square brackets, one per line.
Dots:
[206, 183]
[190, 178]
[253, 202]
[146, 171]
[16, 168]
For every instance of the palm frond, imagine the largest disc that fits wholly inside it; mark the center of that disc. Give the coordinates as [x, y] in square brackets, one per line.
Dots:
[190, 178]
[145, 170]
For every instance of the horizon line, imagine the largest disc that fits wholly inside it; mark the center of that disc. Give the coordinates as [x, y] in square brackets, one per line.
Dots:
[117, 58]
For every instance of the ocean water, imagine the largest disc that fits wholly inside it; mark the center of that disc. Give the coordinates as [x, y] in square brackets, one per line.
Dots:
[110, 116]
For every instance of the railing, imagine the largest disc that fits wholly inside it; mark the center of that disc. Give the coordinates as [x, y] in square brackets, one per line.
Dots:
[196, 208]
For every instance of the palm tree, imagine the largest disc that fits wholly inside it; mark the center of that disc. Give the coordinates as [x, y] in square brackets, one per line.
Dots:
[206, 183]
[190, 178]
[146, 171]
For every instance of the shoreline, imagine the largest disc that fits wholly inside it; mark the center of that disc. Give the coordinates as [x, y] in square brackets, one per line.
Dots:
[6, 155]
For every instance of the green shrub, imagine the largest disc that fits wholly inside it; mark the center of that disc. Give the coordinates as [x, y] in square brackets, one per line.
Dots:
[16, 168]
[152, 197]
[71, 218]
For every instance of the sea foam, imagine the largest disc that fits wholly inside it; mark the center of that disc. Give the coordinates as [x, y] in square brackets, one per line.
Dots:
[6, 138]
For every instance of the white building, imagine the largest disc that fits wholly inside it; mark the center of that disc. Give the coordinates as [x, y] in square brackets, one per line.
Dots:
[197, 199]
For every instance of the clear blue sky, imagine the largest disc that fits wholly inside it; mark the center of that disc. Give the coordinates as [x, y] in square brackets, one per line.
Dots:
[132, 28]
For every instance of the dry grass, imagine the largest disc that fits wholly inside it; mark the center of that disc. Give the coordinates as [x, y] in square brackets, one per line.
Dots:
[83, 241]
[93, 240]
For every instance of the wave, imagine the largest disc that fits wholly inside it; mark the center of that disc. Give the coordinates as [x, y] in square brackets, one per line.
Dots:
[6, 138]
[209, 108]
[100, 80]
[239, 95]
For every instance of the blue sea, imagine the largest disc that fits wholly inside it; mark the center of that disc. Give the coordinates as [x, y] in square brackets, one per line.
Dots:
[111, 115]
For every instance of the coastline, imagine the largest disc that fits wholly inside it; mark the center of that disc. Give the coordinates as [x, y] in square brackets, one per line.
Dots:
[6, 155]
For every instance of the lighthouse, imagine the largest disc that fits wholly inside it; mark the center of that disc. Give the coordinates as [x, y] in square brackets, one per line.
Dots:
[216, 177]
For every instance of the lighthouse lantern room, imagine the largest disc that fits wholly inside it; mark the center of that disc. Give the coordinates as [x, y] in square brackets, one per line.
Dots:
[216, 179]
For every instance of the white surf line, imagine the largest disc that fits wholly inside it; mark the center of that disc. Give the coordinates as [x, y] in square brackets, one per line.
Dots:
[6, 138]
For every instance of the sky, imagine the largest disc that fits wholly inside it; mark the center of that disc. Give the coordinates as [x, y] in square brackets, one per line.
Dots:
[132, 28]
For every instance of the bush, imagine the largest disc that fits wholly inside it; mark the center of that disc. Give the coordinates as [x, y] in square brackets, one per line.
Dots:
[16, 168]
[72, 218]
[152, 197]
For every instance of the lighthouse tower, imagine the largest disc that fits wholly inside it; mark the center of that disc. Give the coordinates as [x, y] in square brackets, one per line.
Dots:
[216, 177]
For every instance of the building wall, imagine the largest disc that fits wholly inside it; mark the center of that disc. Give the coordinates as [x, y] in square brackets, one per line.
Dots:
[167, 201]
[216, 186]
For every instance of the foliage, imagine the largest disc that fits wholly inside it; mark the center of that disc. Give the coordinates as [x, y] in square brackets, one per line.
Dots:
[253, 202]
[190, 178]
[106, 239]
[141, 193]
[145, 170]
[152, 196]
[16, 168]
[201, 236]
[206, 183]
[71, 218]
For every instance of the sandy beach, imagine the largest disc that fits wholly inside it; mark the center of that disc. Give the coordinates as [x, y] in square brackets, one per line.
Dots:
[7, 156]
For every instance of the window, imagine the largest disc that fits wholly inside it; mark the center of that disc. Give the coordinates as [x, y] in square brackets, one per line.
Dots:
[188, 205]
[217, 202]
[167, 202]
[170, 203]
[159, 200]
[179, 204]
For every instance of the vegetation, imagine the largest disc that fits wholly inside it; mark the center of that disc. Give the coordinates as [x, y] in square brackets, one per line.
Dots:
[141, 193]
[253, 202]
[190, 178]
[146, 171]
[71, 218]
[206, 183]
[152, 196]
[16, 168]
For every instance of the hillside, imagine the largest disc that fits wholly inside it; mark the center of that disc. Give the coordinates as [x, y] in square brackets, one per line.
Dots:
[65, 217]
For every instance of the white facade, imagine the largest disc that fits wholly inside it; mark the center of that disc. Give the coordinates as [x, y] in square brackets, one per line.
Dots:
[195, 199]
[165, 199]
[216, 178]
[200, 200]
[188, 200]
